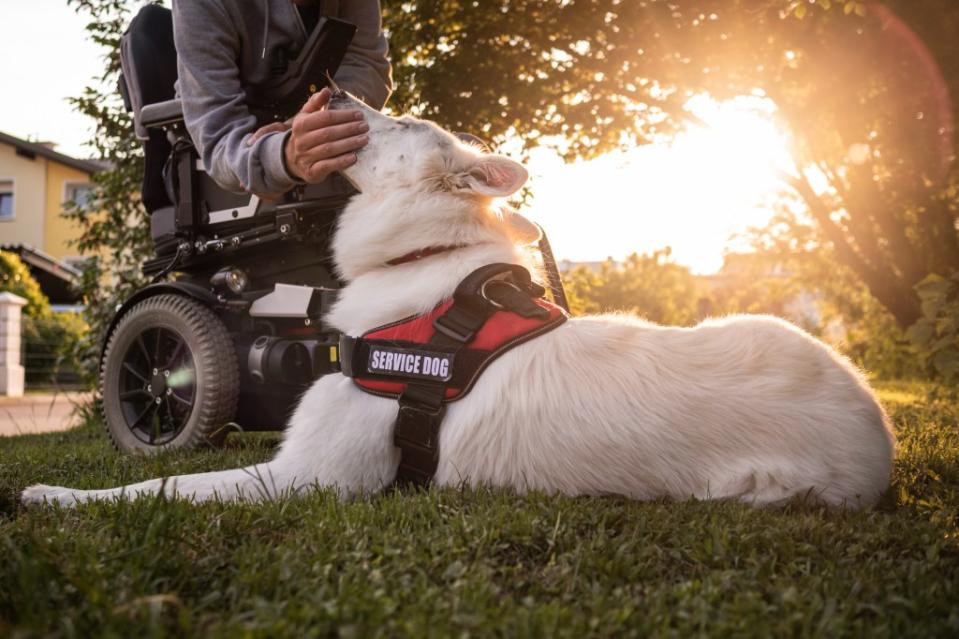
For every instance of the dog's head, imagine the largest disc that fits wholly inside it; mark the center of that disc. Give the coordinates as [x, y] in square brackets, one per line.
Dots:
[420, 186]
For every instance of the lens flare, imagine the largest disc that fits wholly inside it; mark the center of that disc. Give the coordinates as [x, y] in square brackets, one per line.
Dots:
[716, 178]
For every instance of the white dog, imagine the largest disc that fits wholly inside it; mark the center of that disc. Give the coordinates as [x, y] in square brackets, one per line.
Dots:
[745, 407]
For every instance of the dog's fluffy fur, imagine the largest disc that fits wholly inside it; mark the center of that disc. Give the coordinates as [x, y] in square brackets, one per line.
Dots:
[745, 407]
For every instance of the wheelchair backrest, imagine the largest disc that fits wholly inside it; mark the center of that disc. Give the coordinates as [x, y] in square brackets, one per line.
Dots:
[148, 59]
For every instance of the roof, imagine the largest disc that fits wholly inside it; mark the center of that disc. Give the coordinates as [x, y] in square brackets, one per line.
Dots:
[32, 149]
[57, 279]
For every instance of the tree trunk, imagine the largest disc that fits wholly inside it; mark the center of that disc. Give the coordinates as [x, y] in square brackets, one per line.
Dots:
[895, 294]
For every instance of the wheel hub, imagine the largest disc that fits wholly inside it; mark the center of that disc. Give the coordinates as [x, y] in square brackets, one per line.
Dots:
[157, 385]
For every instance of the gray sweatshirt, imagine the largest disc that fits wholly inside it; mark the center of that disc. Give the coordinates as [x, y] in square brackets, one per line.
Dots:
[225, 45]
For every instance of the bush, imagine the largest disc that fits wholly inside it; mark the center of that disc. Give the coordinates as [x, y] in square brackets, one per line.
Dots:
[49, 339]
[935, 337]
[651, 286]
[15, 278]
[49, 344]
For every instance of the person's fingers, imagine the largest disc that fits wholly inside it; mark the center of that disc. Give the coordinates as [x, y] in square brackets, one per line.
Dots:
[321, 170]
[317, 120]
[333, 149]
[264, 130]
[331, 133]
[317, 101]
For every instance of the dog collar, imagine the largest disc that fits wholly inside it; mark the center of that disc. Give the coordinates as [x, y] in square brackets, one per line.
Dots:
[424, 252]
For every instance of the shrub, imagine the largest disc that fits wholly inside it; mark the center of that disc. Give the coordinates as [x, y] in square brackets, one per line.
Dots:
[651, 286]
[15, 278]
[935, 337]
[49, 339]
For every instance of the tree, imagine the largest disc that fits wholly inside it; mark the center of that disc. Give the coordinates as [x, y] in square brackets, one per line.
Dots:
[114, 227]
[848, 315]
[862, 93]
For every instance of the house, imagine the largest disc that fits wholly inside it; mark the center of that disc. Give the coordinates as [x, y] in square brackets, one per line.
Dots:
[35, 183]
[58, 280]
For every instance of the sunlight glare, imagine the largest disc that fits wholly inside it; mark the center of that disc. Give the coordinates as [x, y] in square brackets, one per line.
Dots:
[692, 193]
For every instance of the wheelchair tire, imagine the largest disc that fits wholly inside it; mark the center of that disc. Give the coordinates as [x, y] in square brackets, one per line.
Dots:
[169, 377]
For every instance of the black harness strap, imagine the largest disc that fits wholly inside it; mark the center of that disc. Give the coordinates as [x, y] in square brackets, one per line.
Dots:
[421, 410]
[422, 402]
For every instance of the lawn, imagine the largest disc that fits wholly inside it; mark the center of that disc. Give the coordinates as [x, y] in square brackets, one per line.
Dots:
[475, 562]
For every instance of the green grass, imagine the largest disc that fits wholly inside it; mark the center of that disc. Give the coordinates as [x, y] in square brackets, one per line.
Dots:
[475, 562]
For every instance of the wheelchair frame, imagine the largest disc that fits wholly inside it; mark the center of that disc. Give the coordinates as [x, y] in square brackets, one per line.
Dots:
[234, 339]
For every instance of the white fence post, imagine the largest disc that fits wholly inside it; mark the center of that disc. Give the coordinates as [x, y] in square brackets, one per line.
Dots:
[11, 372]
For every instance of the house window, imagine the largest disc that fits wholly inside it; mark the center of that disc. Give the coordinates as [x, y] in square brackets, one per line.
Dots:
[6, 199]
[79, 194]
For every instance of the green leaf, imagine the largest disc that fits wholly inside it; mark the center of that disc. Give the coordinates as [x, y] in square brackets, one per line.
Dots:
[946, 325]
[920, 333]
[944, 343]
[947, 362]
[934, 286]
[931, 308]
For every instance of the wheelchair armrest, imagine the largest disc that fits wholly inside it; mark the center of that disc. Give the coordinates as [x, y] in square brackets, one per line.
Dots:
[161, 114]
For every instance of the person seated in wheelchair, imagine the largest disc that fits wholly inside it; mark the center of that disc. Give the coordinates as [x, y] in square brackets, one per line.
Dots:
[242, 190]
[225, 46]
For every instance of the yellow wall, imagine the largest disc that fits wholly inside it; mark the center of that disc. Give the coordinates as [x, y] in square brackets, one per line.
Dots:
[38, 199]
[29, 193]
[58, 231]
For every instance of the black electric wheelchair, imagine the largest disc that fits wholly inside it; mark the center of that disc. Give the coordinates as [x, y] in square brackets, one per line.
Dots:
[230, 331]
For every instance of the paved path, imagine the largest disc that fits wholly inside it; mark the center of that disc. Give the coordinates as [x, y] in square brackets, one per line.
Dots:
[38, 413]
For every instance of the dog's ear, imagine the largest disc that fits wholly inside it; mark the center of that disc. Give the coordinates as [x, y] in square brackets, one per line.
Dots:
[493, 176]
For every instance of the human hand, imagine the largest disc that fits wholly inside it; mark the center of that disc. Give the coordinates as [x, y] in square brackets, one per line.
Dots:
[323, 141]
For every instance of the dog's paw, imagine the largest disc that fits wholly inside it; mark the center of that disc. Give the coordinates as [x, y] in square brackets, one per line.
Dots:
[41, 493]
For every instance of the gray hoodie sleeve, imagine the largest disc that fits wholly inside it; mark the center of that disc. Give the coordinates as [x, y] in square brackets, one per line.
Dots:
[365, 71]
[214, 103]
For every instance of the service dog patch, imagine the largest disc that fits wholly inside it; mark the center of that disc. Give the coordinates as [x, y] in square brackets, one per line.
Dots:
[404, 362]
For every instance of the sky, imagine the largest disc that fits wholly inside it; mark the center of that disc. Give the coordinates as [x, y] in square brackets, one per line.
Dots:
[694, 195]
[691, 195]
[45, 57]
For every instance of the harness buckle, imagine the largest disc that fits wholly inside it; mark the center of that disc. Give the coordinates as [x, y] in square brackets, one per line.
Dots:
[451, 329]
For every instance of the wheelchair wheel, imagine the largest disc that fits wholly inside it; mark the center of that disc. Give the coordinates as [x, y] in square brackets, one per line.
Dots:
[169, 377]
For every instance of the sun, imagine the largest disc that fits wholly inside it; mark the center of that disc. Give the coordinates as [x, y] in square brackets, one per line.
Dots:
[715, 178]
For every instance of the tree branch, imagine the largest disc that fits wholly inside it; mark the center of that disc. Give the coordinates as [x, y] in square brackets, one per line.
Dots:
[898, 298]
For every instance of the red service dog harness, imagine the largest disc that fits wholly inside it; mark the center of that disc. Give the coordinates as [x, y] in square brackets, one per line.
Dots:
[427, 361]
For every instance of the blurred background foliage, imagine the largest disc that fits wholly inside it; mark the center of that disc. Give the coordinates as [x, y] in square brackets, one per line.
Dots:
[868, 238]
[49, 339]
